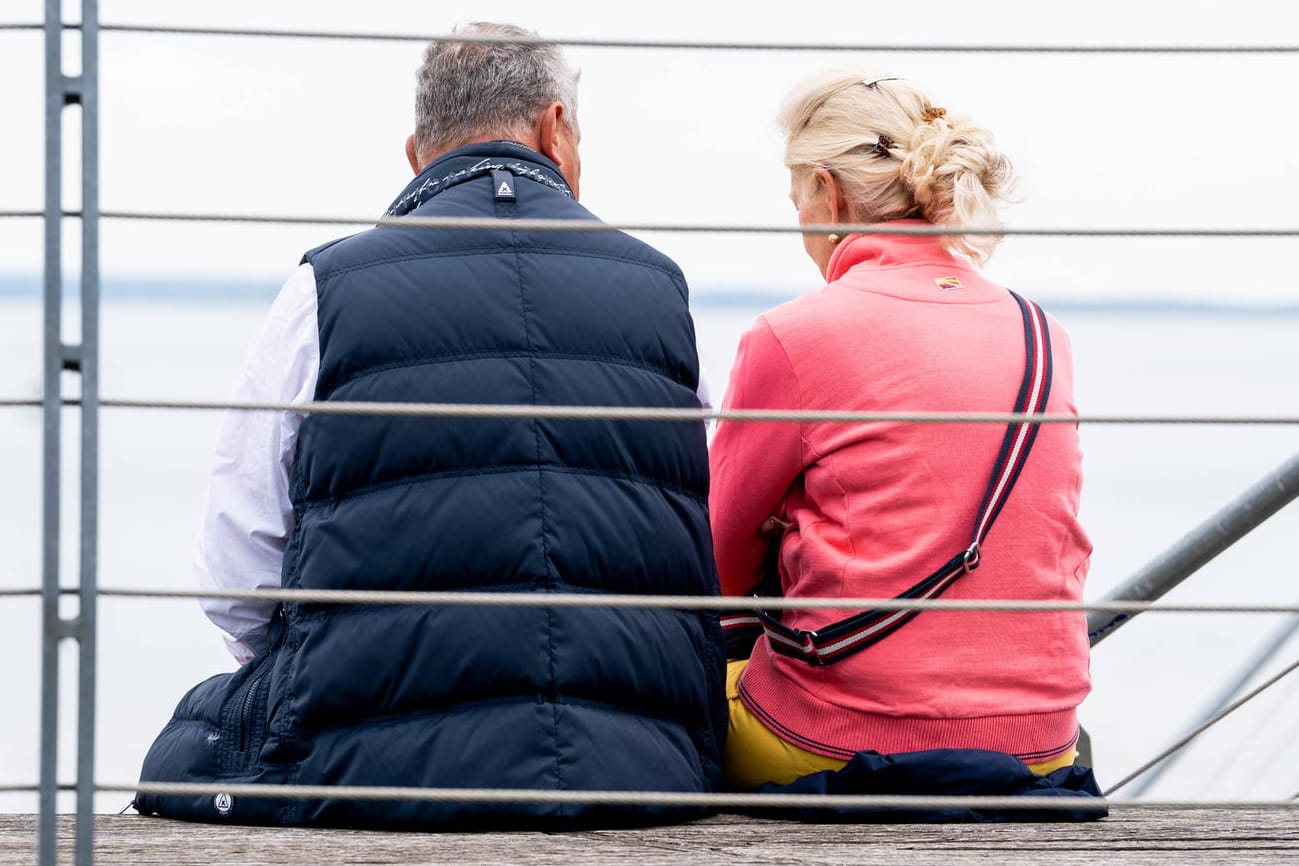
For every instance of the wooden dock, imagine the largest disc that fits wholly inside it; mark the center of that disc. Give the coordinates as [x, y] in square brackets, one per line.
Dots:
[1126, 837]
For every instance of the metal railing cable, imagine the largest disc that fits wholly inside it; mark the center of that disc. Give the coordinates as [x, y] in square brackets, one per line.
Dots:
[1206, 725]
[682, 602]
[564, 225]
[1026, 802]
[665, 602]
[662, 414]
[663, 798]
[1252, 668]
[695, 44]
[567, 225]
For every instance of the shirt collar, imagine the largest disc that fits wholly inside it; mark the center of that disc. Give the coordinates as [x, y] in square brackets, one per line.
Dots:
[887, 250]
[471, 161]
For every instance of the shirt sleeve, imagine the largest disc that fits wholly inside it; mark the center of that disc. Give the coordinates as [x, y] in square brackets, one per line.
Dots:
[752, 464]
[249, 514]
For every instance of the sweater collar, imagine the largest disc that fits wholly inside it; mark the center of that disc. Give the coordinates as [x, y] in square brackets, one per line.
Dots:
[889, 250]
[474, 160]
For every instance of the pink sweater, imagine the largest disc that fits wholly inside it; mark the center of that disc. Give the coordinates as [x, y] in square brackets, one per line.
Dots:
[903, 325]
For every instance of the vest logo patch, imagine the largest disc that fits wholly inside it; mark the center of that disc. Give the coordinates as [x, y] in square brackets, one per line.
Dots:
[503, 182]
[947, 284]
[223, 803]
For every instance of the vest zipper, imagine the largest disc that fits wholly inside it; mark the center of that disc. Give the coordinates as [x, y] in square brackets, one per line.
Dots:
[246, 709]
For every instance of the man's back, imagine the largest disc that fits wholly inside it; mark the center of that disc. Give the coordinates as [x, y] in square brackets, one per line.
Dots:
[508, 697]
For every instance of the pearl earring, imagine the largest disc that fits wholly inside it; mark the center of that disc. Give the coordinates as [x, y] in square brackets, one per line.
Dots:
[834, 238]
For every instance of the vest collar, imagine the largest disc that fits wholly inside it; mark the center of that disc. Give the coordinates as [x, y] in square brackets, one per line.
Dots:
[889, 250]
[474, 160]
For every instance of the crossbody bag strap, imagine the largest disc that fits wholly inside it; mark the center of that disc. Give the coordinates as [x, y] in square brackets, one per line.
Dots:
[838, 640]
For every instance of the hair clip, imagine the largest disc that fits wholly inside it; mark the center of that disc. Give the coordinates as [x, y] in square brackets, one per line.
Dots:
[871, 82]
[882, 146]
[931, 114]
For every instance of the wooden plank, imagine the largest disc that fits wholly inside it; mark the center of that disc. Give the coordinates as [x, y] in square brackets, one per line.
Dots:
[1127, 837]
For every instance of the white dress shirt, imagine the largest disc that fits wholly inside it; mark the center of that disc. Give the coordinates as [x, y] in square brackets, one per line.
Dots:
[249, 513]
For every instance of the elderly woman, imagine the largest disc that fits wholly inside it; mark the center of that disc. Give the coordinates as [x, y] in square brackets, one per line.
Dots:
[874, 510]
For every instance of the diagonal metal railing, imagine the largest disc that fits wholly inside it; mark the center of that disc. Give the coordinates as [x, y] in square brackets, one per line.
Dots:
[1201, 728]
[1158, 766]
[1202, 544]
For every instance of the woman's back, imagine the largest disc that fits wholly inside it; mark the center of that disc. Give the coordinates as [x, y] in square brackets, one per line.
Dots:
[906, 326]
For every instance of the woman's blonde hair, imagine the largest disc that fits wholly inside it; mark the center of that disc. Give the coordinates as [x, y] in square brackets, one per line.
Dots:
[896, 154]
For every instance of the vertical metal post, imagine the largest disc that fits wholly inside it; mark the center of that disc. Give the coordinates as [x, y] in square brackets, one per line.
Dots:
[47, 838]
[61, 91]
[87, 614]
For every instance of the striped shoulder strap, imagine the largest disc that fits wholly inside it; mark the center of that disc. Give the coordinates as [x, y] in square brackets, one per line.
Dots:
[841, 639]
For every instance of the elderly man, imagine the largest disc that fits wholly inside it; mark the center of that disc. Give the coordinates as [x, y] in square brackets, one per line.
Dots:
[428, 696]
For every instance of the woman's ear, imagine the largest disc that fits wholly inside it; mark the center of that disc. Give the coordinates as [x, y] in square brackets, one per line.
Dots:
[828, 185]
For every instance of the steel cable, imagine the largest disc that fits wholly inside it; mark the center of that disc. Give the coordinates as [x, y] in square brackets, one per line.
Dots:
[1222, 714]
[665, 798]
[564, 225]
[672, 602]
[556, 225]
[661, 798]
[680, 602]
[660, 414]
[695, 45]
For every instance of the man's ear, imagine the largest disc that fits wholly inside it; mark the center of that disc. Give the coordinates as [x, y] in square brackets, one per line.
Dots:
[550, 125]
[828, 185]
[411, 156]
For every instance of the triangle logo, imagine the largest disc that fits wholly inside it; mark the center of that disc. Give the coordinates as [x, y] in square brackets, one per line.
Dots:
[505, 190]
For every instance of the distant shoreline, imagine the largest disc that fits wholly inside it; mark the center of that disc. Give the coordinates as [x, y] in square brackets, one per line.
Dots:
[713, 298]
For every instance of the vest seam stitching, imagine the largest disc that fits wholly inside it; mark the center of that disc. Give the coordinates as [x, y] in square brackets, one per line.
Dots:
[317, 503]
[553, 684]
[495, 251]
[487, 702]
[531, 355]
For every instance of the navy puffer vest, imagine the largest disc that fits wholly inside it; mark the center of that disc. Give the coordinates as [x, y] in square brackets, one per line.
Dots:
[506, 697]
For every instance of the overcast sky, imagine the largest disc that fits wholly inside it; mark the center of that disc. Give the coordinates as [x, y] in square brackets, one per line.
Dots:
[274, 126]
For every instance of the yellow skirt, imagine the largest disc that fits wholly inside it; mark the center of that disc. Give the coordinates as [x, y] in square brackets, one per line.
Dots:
[755, 756]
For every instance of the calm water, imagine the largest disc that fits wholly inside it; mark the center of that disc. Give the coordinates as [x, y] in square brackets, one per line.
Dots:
[1145, 487]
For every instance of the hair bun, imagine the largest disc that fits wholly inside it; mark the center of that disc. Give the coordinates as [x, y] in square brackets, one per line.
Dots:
[943, 168]
[957, 177]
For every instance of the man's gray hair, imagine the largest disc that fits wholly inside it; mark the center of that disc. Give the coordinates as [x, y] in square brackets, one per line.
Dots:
[468, 90]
